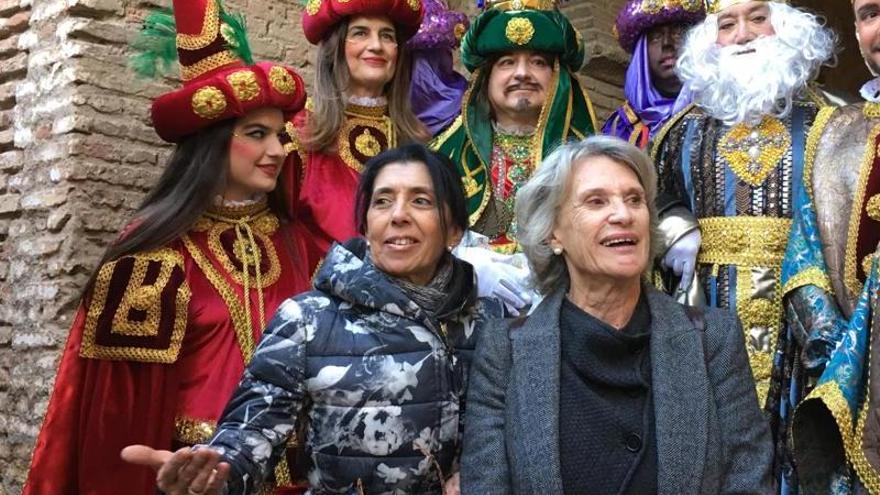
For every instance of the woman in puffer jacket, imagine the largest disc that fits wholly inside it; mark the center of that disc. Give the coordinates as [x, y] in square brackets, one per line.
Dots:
[377, 355]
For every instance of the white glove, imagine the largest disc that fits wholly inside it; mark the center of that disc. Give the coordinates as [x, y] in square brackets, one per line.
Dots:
[497, 278]
[681, 258]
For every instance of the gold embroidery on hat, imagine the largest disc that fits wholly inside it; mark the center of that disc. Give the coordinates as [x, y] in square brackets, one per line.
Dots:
[520, 30]
[244, 85]
[207, 64]
[208, 34]
[208, 102]
[281, 80]
[459, 31]
[313, 6]
[414, 4]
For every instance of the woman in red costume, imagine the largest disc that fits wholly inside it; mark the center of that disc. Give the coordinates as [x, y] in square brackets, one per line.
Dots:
[178, 302]
[360, 106]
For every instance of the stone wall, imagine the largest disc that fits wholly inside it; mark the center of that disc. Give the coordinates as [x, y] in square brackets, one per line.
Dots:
[77, 154]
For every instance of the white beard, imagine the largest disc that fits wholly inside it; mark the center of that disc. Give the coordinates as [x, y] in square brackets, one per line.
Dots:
[744, 83]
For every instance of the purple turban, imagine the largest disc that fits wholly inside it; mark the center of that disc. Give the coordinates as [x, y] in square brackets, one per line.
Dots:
[437, 89]
[638, 16]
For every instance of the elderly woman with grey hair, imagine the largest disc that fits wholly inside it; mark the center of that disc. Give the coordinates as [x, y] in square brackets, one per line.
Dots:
[609, 386]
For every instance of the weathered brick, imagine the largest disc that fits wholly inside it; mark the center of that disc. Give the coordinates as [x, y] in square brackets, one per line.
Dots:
[9, 203]
[13, 67]
[45, 199]
[14, 24]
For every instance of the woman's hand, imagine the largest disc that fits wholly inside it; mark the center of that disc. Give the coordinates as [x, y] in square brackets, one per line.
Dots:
[185, 472]
[453, 485]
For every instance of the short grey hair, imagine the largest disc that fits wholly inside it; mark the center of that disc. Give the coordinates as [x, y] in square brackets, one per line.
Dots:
[538, 202]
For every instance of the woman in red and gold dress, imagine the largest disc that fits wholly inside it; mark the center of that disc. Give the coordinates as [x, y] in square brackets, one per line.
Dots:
[173, 312]
[360, 106]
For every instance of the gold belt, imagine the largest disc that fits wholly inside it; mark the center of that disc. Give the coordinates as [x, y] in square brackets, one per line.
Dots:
[743, 241]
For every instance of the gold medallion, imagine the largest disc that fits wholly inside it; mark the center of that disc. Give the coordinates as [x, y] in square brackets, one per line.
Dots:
[519, 31]
[753, 152]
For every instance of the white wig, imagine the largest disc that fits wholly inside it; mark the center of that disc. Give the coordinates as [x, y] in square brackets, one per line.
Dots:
[734, 86]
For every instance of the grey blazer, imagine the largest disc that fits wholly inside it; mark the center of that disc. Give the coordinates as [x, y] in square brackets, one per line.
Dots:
[711, 435]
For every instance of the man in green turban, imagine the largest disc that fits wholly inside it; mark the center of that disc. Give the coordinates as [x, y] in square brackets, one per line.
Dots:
[522, 101]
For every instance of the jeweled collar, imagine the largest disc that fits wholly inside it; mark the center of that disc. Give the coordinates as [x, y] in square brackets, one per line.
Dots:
[520, 130]
[236, 210]
[367, 106]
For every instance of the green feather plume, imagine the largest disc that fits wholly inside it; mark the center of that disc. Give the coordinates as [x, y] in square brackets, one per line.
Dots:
[234, 30]
[156, 45]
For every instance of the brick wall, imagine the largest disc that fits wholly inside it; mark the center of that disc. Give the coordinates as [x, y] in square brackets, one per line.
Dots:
[77, 154]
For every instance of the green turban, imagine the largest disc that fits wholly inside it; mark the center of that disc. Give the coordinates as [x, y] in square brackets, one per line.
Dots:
[500, 31]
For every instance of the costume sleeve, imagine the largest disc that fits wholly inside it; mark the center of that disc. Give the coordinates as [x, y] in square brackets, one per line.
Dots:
[484, 467]
[811, 310]
[667, 154]
[745, 432]
[117, 384]
[261, 416]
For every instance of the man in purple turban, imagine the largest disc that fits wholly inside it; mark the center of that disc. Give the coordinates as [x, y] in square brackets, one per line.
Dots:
[652, 32]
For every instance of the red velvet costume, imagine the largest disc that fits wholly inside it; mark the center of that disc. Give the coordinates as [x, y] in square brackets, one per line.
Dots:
[159, 346]
[161, 339]
[324, 182]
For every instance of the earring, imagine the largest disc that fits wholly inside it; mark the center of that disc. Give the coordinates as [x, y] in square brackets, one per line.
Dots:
[557, 251]
[449, 248]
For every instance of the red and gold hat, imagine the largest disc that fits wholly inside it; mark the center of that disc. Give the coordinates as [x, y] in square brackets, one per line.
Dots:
[321, 16]
[220, 79]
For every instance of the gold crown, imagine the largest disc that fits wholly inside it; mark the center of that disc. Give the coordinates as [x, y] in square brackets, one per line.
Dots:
[716, 6]
[521, 4]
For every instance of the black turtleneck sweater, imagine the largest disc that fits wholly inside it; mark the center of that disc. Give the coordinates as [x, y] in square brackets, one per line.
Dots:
[607, 444]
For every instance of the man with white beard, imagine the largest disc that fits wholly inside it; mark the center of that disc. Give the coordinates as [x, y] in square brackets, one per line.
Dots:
[729, 167]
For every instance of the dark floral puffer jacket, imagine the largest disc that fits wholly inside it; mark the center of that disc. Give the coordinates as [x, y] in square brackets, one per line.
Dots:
[382, 384]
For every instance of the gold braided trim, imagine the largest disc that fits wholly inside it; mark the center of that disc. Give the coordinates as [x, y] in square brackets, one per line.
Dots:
[445, 135]
[207, 64]
[812, 148]
[210, 29]
[541, 128]
[850, 264]
[851, 433]
[192, 431]
[871, 110]
[262, 227]
[672, 122]
[744, 241]
[810, 276]
[143, 297]
[241, 321]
